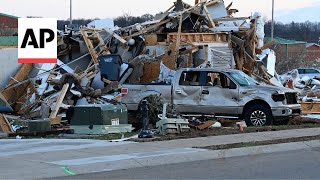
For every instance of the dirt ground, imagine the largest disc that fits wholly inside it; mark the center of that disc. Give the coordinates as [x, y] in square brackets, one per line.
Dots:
[296, 123]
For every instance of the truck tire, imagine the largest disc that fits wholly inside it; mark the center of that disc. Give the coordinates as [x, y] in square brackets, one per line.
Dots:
[258, 115]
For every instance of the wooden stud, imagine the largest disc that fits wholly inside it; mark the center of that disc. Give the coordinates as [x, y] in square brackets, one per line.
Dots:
[5, 125]
[59, 101]
[89, 45]
[211, 23]
[123, 41]
[178, 37]
[149, 28]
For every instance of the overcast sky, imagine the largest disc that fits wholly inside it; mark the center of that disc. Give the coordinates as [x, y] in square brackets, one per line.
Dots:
[113, 8]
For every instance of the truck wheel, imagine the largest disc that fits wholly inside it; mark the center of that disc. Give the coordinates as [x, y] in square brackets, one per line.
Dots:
[258, 115]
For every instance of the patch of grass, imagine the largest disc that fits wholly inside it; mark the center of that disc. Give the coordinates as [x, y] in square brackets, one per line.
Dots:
[261, 143]
[110, 136]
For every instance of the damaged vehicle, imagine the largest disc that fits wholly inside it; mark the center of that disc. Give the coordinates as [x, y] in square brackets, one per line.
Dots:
[220, 92]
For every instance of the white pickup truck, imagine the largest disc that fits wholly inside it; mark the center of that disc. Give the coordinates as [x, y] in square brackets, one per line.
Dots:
[220, 92]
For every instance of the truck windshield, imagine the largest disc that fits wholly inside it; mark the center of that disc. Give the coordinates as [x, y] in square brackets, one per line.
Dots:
[243, 79]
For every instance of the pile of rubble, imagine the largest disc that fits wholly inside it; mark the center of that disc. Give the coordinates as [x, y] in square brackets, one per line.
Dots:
[308, 88]
[93, 63]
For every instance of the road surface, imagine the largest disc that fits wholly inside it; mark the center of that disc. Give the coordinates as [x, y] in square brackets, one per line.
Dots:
[303, 164]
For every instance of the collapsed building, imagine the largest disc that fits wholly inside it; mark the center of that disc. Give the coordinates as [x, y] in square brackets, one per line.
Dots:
[93, 63]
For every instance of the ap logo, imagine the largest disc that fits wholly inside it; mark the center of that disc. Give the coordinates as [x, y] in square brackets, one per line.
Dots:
[37, 40]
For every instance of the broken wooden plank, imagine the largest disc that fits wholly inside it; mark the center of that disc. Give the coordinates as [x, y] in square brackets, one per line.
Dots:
[211, 23]
[59, 101]
[5, 125]
[90, 46]
[205, 125]
[151, 39]
[212, 2]
[55, 120]
[310, 107]
[178, 38]
[149, 28]
[169, 57]
[197, 38]
[229, 6]
[151, 71]
[123, 41]
[22, 74]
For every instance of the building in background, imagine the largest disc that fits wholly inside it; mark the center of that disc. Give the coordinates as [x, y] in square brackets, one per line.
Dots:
[290, 53]
[8, 25]
[313, 52]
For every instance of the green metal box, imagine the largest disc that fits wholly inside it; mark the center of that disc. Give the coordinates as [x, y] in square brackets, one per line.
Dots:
[100, 119]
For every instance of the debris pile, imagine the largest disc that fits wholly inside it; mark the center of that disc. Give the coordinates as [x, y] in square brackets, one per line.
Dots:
[94, 63]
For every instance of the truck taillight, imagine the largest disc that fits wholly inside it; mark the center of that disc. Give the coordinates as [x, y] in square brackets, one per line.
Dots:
[124, 91]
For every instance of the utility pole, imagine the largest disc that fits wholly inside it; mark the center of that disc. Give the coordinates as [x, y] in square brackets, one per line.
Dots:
[70, 12]
[272, 21]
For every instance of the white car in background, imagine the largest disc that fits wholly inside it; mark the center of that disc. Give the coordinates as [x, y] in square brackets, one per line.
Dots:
[310, 72]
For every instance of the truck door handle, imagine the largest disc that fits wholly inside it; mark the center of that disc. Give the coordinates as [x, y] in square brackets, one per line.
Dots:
[178, 91]
[205, 92]
[244, 92]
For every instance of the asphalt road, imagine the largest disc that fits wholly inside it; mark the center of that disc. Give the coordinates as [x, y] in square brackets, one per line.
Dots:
[304, 164]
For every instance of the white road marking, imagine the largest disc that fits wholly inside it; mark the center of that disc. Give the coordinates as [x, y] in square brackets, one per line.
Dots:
[112, 158]
[21, 146]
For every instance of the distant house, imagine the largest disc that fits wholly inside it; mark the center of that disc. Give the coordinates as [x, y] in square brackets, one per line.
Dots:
[313, 52]
[286, 49]
[102, 23]
[8, 25]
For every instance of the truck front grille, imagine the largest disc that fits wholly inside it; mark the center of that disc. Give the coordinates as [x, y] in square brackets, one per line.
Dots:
[291, 98]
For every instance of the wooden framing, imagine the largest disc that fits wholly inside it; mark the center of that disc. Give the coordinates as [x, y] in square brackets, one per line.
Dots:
[123, 41]
[5, 125]
[149, 28]
[310, 107]
[211, 23]
[90, 35]
[189, 38]
[59, 101]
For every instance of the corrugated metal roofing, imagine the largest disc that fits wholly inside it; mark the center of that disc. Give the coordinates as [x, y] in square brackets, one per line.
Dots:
[284, 41]
[8, 40]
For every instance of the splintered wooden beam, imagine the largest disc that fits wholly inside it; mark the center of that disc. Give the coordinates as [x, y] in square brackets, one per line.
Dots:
[211, 23]
[89, 44]
[212, 2]
[123, 41]
[179, 36]
[5, 125]
[22, 74]
[149, 28]
[59, 101]
[229, 6]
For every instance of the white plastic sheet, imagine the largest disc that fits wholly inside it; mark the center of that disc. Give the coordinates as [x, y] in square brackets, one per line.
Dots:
[166, 74]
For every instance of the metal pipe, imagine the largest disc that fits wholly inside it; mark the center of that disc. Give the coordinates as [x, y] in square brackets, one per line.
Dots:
[164, 111]
[70, 12]
[272, 21]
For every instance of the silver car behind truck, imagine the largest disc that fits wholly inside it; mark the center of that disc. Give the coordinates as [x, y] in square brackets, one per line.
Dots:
[220, 92]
